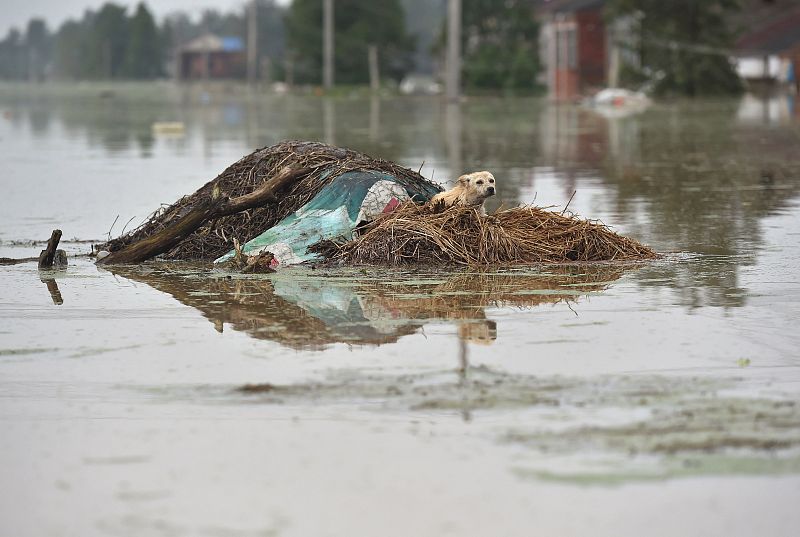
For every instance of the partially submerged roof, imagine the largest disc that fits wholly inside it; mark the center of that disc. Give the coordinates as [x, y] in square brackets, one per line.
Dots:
[214, 43]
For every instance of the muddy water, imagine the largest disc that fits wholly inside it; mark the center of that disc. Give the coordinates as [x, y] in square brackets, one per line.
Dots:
[656, 399]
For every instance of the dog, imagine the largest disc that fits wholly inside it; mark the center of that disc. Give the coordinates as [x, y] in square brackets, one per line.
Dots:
[471, 190]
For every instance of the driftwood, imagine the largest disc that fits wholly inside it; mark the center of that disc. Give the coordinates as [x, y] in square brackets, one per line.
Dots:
[216, 206]
[49, 253]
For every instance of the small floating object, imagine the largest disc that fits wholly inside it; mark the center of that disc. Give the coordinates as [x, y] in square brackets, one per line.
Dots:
[174, 128]
[618, 102]
[263, 262]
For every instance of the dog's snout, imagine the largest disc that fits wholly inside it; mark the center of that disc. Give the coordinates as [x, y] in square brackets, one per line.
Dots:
[490, 190]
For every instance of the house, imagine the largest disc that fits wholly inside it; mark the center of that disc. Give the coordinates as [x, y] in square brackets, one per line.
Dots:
[768, 50]
[212, 57]
[574, 46]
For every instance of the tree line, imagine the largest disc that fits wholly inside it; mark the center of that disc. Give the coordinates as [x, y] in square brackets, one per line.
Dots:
[500, 42]
[104, 44]
[112, 44]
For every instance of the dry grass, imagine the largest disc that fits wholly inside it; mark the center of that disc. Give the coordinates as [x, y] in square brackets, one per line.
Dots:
[461, 236]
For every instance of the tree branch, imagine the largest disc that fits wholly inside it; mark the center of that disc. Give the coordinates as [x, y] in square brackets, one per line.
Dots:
[212, 208]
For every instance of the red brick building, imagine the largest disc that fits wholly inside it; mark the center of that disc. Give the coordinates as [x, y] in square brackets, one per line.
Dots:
[574, 47]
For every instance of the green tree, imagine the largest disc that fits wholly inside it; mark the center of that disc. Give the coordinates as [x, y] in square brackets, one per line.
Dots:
[358, 24]
[37, 45]
[500, 43]
[271, 34]
[108, 40]
[683, 44]
[12, 56]
[144, 53]
[71, 46]
[223, 24]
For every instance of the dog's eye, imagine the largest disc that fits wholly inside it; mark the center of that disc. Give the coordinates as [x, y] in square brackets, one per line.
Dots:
[491, 180]
[479, 183]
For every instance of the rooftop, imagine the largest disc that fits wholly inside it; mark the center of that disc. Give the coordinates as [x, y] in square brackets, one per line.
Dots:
[214, 43]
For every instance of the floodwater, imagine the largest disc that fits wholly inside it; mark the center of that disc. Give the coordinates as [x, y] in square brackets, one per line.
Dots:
[620, 400]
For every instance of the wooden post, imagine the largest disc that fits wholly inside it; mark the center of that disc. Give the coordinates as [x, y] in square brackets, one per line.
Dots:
[48, 254]
[374, 73]
[614, 57]
[453, 129]
[453, 79]
[374, 118]
[327, 44]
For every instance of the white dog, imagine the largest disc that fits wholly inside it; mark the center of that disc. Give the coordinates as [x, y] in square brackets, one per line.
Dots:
[472, 189]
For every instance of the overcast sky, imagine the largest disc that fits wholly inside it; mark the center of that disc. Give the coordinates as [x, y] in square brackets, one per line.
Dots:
[18, 12]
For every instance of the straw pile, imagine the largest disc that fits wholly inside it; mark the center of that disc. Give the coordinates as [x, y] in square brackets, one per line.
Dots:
[461, 236]
[215, 238]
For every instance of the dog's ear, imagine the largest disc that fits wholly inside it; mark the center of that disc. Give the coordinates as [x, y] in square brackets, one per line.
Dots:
[463, 180]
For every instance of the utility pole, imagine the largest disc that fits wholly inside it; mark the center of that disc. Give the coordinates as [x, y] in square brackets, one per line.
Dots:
[453, 78]
[252, 42]
[374, 73]
[327, 44]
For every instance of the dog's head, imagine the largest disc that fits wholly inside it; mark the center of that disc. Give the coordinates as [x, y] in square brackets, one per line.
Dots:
[477, 187]
[482, 332]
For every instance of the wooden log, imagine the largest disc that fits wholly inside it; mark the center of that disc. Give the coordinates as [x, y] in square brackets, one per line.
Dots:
[49, 253]
[214, 207]
[13, 261]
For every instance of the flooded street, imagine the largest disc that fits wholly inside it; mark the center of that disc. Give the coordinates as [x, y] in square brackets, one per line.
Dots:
[660, 398]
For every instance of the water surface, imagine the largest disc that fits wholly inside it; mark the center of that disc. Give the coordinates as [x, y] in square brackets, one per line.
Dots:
[660, 398]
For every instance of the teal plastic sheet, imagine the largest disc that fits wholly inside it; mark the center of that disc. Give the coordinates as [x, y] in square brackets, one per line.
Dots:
[351, 198]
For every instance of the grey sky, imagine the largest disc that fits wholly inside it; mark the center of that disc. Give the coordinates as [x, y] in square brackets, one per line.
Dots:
[18, 12]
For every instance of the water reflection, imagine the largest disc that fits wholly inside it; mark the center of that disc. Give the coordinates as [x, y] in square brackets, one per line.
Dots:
[304, 310]
[688, 178]
[52, 288]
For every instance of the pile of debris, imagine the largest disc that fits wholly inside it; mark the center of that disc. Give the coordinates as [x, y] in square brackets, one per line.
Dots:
[299, 201]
